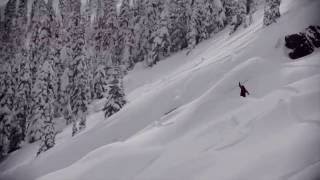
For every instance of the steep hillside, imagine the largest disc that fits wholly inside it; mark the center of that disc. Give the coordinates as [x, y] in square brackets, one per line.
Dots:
[185, 119]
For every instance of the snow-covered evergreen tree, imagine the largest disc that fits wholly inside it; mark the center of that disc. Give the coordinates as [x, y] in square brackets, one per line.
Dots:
[9, 18]
[239, 12]
[6, 107]
[78, 68]
[251, 9]
[39, 42]
[39, 53]
[109, 25]
[271, 12]
[14, 54]
[12, 103]
[5, 129]
[200, 15]
[56, 46]
[116, 98]
[64, 72]
[140, 30]
[75, 85]
[216, 16]
[65, 97]
[5, 119]
[160, 40]
[43, 92]
[229, 9]
[87, 15]
[100, 82]
[98, 26]
[204, 18]
[239, 15]
[108, 42]
[192, 27]
[74, 128]
[163, 31]
[126, 28]
[178, 24]
[152, 21]
[22, 99]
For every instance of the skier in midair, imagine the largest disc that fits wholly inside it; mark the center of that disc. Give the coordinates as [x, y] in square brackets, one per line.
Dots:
[243, 90]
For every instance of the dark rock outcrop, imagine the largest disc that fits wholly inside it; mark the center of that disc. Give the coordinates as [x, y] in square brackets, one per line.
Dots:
[303, 43]
[299, 44]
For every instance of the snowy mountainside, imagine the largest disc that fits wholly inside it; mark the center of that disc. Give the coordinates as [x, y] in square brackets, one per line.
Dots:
[186, 120]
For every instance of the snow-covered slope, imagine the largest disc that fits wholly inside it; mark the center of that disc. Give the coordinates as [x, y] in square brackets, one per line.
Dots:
[186, 120]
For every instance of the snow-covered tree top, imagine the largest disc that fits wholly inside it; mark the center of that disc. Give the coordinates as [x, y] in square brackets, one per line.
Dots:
[3, 2]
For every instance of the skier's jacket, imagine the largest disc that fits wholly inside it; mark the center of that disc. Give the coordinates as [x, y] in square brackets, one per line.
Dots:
[243, 90]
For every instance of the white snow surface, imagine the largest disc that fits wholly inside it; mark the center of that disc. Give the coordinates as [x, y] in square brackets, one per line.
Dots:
[185, 119]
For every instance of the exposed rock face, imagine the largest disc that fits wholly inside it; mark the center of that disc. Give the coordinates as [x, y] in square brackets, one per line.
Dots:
[299, 44]
[303, 43]
[313, 35]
